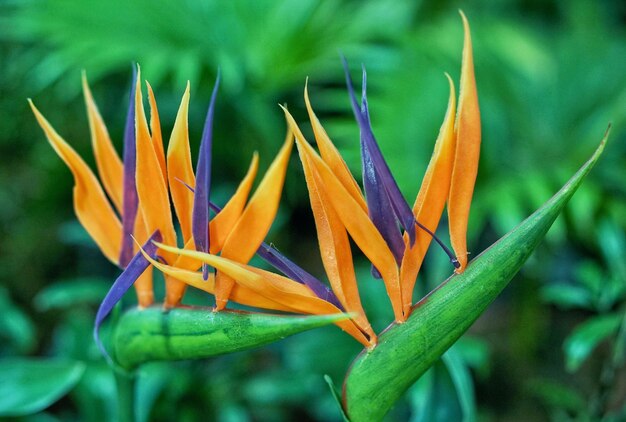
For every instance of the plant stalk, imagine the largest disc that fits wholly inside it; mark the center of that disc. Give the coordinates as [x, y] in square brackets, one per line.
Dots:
[125, 382]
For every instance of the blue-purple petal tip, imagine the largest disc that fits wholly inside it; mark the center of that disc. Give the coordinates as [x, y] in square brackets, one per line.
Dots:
[385, 201]
[130, 200]
[200, 214]
[134, 269]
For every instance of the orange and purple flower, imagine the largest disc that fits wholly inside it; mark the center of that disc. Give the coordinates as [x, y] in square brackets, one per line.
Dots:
[391, 234]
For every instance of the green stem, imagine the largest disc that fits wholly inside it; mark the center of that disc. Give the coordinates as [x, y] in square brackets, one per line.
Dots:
[125, 382]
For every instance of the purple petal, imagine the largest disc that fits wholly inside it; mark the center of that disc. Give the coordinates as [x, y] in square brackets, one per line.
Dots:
[399, 207]
[290, 269]
[379, 207]
[130, 200]
[134, 269]
[296, 273]
[200, 215]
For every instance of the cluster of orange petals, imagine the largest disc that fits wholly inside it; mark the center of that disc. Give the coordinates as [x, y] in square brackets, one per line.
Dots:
[234, 231]
[339, 209]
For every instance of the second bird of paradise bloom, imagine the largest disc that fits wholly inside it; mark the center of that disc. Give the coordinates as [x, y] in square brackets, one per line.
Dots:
[373, 220]
[131, 199]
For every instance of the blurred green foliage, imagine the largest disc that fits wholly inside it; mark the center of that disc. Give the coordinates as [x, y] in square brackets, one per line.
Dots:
[550, 77]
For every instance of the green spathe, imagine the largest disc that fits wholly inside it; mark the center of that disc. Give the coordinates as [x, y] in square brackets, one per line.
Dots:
[378, 377]
[191, 333]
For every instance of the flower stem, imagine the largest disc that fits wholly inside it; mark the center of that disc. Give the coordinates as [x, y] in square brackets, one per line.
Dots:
[125, 383]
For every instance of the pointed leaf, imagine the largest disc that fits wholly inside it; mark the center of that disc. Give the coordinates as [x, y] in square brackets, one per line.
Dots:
[377, 378]
[193, 333]
[586, 337]
[336, 396]
[28, 386]
[463, 384]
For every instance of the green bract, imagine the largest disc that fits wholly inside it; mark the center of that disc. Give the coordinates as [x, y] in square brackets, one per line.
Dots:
[190, 333]
[378, 377]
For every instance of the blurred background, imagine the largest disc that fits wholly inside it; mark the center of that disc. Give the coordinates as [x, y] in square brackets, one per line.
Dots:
[551, 75]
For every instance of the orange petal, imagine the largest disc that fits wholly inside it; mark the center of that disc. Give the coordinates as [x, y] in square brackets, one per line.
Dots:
[155, 130]
[430, 200]
[143, 285]
[275, 287]
[108, 161]
[467, 130]
[151, 187]
[239, 294]
[179, 167]
[152, 190]
[335, 251]
[90, 203]
[143, 289]
[356, 221]
[255, 221]
[186, 262]
[224, 221]
[331, 155]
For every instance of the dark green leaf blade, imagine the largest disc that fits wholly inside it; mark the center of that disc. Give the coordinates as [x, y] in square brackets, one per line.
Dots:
[584, 339]
[336, 396]
[378, 377]
[190, 333]
[30, 385]
[463, 384]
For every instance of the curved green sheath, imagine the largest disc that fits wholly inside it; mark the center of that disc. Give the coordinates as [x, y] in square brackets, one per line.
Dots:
[190, 333]
[377, 378]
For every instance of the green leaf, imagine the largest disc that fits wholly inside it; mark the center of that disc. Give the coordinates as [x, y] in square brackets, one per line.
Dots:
[556, 395]
[71, 293]
[378, 377]
[30, 385]
[434, 397]
[579, 345]
[463, 384]
[189, 333]
[566, 296]
[17, 331]
[152, 379]
[336, 396]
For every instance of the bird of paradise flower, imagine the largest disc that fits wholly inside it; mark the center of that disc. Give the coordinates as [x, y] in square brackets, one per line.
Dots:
[139, 187]
[391, 234]
[372, 221]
